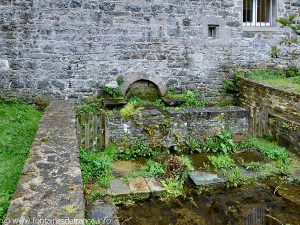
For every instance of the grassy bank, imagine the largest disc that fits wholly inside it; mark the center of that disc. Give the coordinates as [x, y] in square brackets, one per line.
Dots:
[18, 125]
[289, 80]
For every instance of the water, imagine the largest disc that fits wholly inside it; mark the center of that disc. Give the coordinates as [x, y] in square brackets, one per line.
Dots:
[271, 203]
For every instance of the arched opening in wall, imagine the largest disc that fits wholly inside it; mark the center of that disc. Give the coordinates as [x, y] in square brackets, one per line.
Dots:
[143, 89]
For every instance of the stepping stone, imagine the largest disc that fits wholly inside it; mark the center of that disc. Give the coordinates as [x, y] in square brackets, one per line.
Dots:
[102, 211]
[119, 187]
[139, 185]
[154, 185]
[205, 178]
[249, 174]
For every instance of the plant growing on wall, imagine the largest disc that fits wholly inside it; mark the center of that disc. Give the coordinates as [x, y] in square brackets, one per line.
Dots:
[290, 41]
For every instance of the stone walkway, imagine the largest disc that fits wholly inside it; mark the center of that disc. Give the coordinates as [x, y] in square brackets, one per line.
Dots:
[51, 184]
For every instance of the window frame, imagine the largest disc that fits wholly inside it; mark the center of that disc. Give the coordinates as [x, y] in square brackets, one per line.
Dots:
[255, 23]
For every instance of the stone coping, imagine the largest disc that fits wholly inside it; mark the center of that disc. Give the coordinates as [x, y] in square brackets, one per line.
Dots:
[272, 88]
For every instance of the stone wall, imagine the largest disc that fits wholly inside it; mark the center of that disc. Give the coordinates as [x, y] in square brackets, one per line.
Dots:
[174, 127]
[286, 132]
[68, 48]
[279, 101]
[284, 110]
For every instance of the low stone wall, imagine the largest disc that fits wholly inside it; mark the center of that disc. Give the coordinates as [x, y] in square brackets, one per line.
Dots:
[279, 101]
[284, 110]
[174, 127]
[285, 131]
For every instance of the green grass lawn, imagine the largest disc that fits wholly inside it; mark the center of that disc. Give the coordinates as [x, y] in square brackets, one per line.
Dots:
[275, 78]
[18, 125]
[290, 84]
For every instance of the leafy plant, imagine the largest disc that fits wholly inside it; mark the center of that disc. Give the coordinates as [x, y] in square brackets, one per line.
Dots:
[120, 80]
[173, 187]
[97, 166]
[89, 105]
[253, 166]
[139, 148]
[275, 52]
[221, 161]
[151, 169]
[235, 176]
[192, 145]
[129, 110]
[111, 91]
[271, 150]
[221, 143]
[192, 99]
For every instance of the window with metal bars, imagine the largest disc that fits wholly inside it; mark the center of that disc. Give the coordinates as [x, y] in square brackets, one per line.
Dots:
[258, 12]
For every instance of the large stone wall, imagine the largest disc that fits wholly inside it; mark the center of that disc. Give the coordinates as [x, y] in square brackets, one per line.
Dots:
[174, 127]
[68, 48]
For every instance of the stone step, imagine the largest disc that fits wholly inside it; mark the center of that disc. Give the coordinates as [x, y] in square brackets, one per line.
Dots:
[206, 178]
[139, 185]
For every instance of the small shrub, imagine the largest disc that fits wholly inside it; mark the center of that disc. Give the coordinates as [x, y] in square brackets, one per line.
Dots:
[235, 176]
[151, 169]
[221, 143]
[120, 80]
[89, 105]
[271, 150]
[129, 111]
[253, 166]
[97, 166]
[192, 145]
[221, 161]
[173, 187]
[111, 91]
[139, 148]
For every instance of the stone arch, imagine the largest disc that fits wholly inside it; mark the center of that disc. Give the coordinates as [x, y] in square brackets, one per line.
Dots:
[132, 78]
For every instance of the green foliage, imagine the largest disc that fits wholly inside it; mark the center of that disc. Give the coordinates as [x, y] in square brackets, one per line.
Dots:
[111, 91]
[192, 145]
[271, 150]
[290, 23]
[129, 111]
[193, 99]
[293, 71]
[18, 126]
[120, 80]
[262, 74]
[274, 169]
[231, 88]
[139, 102]
[275, 52]
[253, 166]
[235, 176]
[97, 166]
[151, 169]
[173, 187]
[89, 105]
[139, 148]
[221, 143]
[221, 161]
[177, 170]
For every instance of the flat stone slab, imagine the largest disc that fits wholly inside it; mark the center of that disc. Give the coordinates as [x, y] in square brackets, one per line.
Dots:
[205, 178]
[249, 174]
[154, 185]
[139, 185]
[119, 187]
[102, 211]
